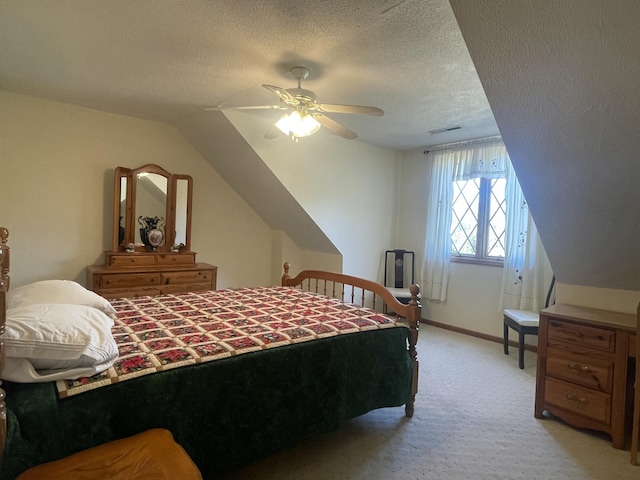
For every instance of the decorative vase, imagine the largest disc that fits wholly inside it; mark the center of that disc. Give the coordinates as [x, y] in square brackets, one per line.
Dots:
[151, 233]
[155, 237]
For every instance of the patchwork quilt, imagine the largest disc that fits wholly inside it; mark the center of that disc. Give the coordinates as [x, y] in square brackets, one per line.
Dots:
[175, 330]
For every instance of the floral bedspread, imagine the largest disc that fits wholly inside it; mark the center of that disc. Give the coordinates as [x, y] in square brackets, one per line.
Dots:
[175, 330]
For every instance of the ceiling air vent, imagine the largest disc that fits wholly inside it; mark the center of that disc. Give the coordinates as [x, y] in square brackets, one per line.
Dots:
[442, 130]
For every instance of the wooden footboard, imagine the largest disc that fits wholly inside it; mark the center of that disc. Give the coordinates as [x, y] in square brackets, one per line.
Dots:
[366, 293]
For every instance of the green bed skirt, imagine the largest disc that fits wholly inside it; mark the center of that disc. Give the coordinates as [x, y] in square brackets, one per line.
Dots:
[224, 413]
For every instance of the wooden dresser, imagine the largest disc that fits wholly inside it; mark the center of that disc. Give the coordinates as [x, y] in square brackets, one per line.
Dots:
[583, 375]
[150, 273]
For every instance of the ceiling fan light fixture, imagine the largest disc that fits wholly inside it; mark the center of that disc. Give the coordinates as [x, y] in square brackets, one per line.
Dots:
[298, 124]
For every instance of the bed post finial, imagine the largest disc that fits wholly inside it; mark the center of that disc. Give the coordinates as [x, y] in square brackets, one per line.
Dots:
[286, 266]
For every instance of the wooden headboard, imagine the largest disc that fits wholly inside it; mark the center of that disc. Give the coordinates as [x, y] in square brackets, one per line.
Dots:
[4, 286]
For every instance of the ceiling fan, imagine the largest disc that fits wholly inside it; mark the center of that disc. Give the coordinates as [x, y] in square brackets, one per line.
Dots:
[305, 115]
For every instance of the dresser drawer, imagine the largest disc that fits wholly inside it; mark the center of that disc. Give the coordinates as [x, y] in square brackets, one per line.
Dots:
[184, 287]
[582, 335]
[581, 369]
[130, 292]
[187, 276]
[171, 277]
[121, 280]
[130, 261]
[583, 401]
[176, 258]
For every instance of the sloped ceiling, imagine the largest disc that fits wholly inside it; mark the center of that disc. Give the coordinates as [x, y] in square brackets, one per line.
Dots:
[562, 80]
[166, 59]
[218, 141]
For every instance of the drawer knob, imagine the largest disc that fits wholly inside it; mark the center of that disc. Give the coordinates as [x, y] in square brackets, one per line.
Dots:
[576, 367]
[572, 397]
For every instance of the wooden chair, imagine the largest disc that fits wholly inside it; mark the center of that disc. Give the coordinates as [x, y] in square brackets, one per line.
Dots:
[636, 397]
[524, 322]
[151, 455]
[399, 273]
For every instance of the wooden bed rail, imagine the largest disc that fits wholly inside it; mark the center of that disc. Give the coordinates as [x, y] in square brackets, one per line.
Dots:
[4, 286]
[366, 293]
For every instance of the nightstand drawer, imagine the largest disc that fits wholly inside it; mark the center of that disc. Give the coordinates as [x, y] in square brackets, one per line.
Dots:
[188, 276]
[582, 335]
[583, 401]
[581, 369]
[121, 280]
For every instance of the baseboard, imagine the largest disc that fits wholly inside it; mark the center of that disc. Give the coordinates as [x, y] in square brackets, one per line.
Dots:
[471, 333]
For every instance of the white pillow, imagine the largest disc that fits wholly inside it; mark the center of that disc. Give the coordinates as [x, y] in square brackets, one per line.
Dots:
[68, 341]
[57, 291]
[20, 370]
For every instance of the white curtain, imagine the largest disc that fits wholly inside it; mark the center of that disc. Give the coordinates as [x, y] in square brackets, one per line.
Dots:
[479, 159]
[523, 280]
[437, 246]
[524, 255]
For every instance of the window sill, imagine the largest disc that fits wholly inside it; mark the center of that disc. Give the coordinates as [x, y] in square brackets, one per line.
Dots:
[489, 262]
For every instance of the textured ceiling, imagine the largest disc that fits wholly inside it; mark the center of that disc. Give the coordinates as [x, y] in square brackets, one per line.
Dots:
[562, 79]
[165, 60]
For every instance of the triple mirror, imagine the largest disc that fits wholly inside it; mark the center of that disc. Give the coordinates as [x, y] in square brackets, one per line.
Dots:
[152, 210]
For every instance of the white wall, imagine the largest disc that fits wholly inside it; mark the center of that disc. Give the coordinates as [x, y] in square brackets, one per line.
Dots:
[368, 200]
[56, 179]
[346, 186]
[625, 301]
[285, 250]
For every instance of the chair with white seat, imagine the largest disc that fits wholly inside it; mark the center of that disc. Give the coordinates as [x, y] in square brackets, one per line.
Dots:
[525, 322]
[399, 273]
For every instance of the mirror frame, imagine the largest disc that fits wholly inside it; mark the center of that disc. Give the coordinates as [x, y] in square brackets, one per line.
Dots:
[130, 215]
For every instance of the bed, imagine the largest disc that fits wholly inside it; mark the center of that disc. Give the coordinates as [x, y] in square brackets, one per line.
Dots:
[241, 405]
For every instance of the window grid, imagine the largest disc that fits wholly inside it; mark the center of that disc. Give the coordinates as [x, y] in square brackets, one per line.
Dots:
[464, 223]
[496, 221]
[478, 221]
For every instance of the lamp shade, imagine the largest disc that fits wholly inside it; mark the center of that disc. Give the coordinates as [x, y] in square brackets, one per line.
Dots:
[298, 124]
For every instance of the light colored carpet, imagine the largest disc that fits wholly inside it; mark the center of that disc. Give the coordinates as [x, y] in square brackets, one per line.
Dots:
[473, 420]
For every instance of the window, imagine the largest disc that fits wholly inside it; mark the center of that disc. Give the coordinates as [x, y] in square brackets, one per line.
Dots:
[478, 221]
[466, 221]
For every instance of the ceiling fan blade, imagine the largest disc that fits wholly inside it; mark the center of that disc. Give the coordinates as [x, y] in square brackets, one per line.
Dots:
[252, 107]
[285, 96]
[357, 109]
[334, 126]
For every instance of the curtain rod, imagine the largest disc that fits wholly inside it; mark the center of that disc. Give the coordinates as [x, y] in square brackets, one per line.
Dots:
[444, 146]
